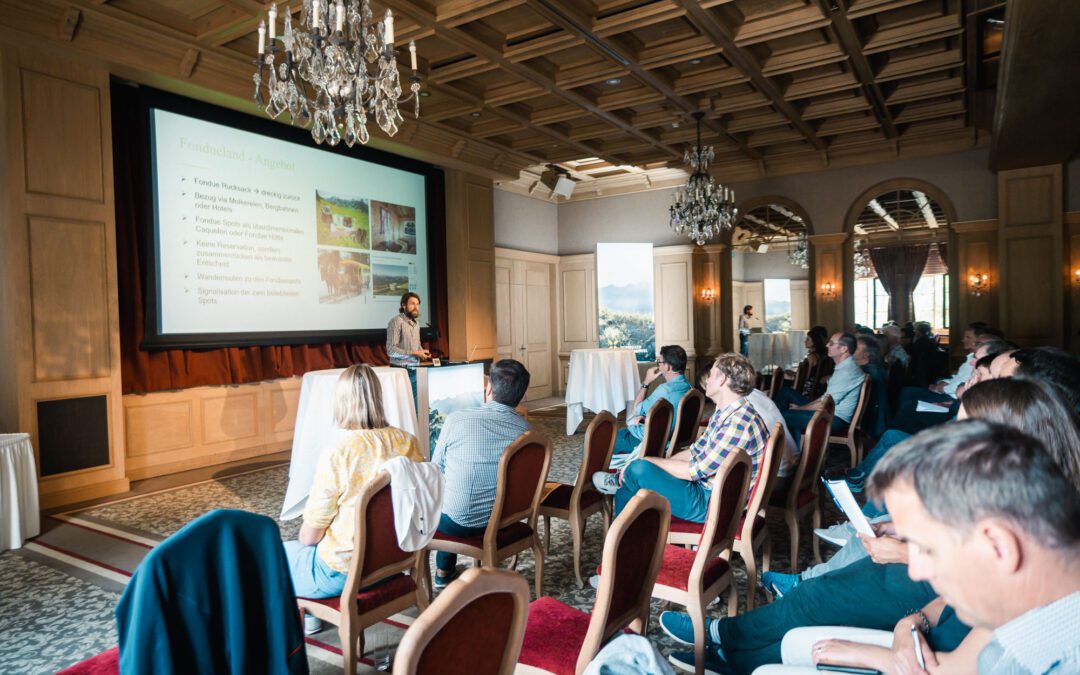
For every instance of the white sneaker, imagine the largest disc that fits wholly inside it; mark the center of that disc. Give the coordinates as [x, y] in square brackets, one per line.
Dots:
[594, 581]
[837, 535]
[312, 624]
[606, 483]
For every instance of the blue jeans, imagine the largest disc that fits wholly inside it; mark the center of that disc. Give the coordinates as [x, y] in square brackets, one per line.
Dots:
[312, 578]
[626, 441]
[744, 344]
[689, 499]
[447, 562]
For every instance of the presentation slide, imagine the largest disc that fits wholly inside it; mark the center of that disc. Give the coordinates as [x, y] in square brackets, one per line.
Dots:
[257, 235]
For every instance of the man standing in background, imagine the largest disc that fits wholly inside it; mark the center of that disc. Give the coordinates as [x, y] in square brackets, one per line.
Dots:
[403, 338]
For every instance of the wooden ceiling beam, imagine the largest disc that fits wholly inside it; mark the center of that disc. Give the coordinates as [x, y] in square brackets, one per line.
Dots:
[852, 44]
[557, 12]
[483, 48]
[705, 22]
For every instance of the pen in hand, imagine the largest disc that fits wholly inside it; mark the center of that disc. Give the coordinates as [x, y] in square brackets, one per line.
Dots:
[918, 647]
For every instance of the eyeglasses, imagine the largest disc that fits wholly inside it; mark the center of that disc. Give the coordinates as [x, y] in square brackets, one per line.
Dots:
[659, 362]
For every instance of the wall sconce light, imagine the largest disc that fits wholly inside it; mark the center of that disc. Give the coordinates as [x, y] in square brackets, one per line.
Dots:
[828, 290]
[978, 283]
[707, 295]
[1076, 276]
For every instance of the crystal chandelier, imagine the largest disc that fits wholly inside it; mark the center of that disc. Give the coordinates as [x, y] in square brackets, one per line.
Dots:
[863, 266]
[799, 254]
[333, 71]
[702, 208]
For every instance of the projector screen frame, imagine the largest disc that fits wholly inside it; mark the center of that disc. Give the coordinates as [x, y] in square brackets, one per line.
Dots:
[434, 185]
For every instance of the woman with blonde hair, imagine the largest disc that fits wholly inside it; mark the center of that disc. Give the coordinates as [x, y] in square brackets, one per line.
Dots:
[319, 560]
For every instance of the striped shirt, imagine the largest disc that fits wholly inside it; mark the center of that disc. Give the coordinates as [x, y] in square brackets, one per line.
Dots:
[468, 453]
[1043, 640]
[402, 339]
[735, 426]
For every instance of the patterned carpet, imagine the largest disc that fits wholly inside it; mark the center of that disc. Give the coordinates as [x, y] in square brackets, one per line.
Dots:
[57, 596]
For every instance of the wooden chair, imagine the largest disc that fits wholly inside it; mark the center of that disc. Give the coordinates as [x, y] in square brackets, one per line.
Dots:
[474, 627]
[801, 496]
[377, 586]
[520, 484]
[687, 421]
[563, 640]
[853, 437]
[575, 503]
[654, 442]
[801, 373]
[776, 382]
[693, 579]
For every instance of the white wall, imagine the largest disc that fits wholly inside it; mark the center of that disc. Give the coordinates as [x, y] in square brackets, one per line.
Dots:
[526, 224]
[747, 266]
[641, 217]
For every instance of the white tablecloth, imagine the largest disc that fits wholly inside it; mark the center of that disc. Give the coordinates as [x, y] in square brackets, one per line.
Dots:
[600, 379]
[19, 518]
[776, 349]
[315, 430]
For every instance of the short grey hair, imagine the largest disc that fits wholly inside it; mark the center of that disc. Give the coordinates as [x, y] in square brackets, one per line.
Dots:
[871, 346]
[966, 471]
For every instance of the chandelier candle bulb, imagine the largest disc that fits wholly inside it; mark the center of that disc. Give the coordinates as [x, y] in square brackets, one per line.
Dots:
[262, 37]
[389, 30]
[339, 21]
[272, 21]
[412, 54]
[315, 14]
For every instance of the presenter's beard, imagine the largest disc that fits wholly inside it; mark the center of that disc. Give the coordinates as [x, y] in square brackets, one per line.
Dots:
[413, 315]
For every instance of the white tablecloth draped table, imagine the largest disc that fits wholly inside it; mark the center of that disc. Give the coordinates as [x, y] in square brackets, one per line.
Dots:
[19, 518]
[600, 379]
[776, 349]
[315, 430]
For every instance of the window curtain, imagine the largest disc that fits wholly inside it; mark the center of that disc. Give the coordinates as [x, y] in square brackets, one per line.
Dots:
[898, 269]
[142, 371]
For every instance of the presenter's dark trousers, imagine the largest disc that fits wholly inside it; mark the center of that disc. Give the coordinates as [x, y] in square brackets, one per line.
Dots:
[863, 594]
[412, 383]
[744, 344]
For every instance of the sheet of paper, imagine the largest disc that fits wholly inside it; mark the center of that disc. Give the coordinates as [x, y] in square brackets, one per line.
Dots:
[846, 501]
[923, 406]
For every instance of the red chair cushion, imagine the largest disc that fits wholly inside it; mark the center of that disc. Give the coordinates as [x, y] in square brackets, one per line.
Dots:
[508, 535]
[553, 636]
[685, 526]
[559, 498]
[676, 566]
[376, 596]
[105, 663]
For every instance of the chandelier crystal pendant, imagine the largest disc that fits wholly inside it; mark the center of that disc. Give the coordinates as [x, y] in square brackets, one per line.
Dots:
[863, 265]
[702, 208]
[333, 72]
[799, 253]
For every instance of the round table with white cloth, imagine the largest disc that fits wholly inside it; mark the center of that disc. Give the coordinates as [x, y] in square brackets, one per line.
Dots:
[776, 349]
[315, 429]
[600, 379]
[19, 517]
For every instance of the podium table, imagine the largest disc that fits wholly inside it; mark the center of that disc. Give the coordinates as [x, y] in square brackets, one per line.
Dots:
[315, 430]
[600, 379]
[19, 517]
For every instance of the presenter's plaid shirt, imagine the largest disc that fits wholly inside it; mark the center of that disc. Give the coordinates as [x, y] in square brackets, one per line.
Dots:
[468, 453]
[736, 426]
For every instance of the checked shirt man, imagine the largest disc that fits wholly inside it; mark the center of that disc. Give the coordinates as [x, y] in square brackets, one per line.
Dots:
[685, 478]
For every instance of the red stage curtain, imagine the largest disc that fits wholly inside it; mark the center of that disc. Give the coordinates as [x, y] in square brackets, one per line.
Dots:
[182, 368]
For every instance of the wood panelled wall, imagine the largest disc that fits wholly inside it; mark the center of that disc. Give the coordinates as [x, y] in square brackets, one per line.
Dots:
[470, 262]
[59, 337]
[712, 319]
[828, 266]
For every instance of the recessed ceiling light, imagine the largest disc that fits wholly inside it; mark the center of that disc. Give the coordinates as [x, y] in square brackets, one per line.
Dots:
[475, 114]
[612, 81]
[694, 62]
[674, 125]
[425, 93]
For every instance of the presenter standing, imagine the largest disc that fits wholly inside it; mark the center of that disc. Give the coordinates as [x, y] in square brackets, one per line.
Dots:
[403, 338]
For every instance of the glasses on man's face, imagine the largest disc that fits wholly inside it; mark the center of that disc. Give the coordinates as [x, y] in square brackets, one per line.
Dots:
[660, 363]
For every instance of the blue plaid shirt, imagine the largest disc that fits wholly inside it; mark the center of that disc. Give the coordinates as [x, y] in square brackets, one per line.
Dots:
[468, 453]
[735, 426]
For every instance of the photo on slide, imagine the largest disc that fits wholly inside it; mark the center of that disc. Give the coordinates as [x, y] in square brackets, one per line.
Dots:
[390, 280]
[393, 228]
[344, 275]
[342, 221]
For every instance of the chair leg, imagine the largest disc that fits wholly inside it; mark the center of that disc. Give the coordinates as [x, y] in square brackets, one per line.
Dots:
[605, 510]
[816, 519]
[766, 555]
[854, 453]
[793, 532]
[425, 574]
[422, 582]
[750, 561]
[697, 617]
[576, 529]
[513, 561]
[352, 646]
[547, 534]
[538, 552]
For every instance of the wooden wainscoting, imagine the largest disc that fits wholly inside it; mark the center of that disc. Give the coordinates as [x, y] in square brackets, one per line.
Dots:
[173, 431]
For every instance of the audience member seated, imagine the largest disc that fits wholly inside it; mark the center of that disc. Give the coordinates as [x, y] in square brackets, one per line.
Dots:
[894, 351]
[844, 386]
[868, 357]
[685, 477]
[772, 416]
[994, 525]
[671, 366]
[468, 453]
[319, 560]
[816, 355]
[1047, 364]
[924, 355]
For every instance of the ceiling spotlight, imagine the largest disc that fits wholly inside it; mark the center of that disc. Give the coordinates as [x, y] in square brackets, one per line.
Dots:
[674, 125]
[695, 62]
[613, 81]
[425, 94]
[475, 114]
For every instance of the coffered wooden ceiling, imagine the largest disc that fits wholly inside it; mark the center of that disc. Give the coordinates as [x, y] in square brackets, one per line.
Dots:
[605, 87]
